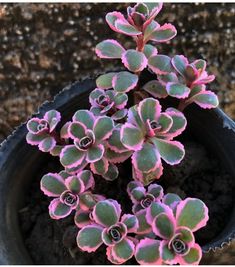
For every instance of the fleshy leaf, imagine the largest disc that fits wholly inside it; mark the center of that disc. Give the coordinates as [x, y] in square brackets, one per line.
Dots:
[111, 18]
[167, 255]
[105, 213]
[120, 114]
[82, 218]
[120, 100]
[103, 128]
[71, 157]
[53, 118]
[179, 122]
[134, 61]
[193, 257]
[171, 199]
[124, 81]
[58, 210]
[154, 210]
[74, 184]
[163, 34]
[105, 81]
[147, 252]
[149, 109]
[137, 194]
[117, 157]
[177, 90]
[95, 153]
[150, 50]
[144, 227]
[64, 130]
[47, 144]
[89, 238]
[52, 184]
[131, 137]
[156, 190]
[112, 173]
[114, 142]
[146, 159]
[126, 28]
[156, 89]
[84, 117]
[123, 250]
[131, 222]
[109, 49]
[180, 63]
[87, 178]
[160, 64]
[76, 130]
[100, 167]
[164, 225]
[192, 213]
[205, 99]
[171, 151]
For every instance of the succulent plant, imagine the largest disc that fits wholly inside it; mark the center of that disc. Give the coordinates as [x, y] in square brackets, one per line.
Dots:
[69, 194]
[111, 229]
[97, 141]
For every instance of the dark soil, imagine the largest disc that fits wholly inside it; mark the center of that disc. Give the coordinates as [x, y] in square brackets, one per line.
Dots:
[199, 175]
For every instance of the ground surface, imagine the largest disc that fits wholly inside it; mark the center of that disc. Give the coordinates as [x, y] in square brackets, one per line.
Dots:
[44, 47]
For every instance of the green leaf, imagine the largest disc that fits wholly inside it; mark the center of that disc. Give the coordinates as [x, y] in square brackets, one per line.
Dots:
[103, 128]
[124, 81]
[171, 151]
[163, 34]
[105, 81]
[126, 28]
[146, 159]
[156, 89]
[192, 213]
[123, 250]
[89, 238]
[194, 256]
[105, 213]
[109, 49]
[150, 50]
[205, 99]
[112, 172]
[147, 252]
[177, 90]
[52, 184]
[134, 60]
[71, 157]
[149, 109]
[164, 226]
[131, 137]
[160, 64]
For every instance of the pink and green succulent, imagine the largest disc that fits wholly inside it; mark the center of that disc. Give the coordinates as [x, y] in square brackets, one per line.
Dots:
[148, 132]
[142, 198]
[194, 79]
[96, 141]
[41, 132]
[69, 193]
[108, 103]
[111, 229]
[175, 231]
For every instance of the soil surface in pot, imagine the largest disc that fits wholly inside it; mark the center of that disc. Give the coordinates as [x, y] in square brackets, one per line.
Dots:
[198, 175]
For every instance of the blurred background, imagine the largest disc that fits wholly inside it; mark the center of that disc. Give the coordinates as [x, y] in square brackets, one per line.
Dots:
[45, 47]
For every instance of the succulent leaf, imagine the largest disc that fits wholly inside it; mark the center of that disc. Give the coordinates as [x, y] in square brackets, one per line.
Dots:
[160, 64]
[124, 81]
[109, 49]
[134, 61]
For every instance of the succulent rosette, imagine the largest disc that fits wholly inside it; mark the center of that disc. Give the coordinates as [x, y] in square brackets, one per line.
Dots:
[69, 192]
[142, 198]
[89, 134]
[148, 132]
[108, 102]
[193, 83]
[175, 230]
[41, 132]
[111, 229]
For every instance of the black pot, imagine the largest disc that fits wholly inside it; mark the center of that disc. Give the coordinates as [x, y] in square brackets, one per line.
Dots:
[17, 165]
